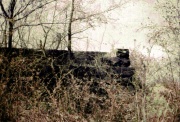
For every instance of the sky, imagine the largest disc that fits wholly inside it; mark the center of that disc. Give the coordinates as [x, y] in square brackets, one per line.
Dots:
[125, 32]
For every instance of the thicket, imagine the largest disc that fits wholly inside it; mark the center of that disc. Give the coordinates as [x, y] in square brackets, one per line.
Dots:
[71, 99]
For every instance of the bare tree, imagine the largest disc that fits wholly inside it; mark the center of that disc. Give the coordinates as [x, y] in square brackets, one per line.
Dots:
[18, 10]
[167, 35]
[78, 16]
[75, 17]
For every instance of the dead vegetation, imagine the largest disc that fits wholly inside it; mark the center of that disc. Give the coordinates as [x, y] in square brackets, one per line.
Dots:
[74, 100]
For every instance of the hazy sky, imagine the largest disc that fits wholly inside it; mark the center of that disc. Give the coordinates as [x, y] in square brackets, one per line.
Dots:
[123, 32]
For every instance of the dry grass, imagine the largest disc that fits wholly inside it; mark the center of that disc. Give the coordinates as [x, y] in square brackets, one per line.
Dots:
[24, 99]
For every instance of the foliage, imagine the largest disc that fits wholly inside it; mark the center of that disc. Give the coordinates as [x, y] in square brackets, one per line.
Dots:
[166, 35]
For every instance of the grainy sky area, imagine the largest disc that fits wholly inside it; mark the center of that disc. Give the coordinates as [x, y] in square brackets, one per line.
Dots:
[122, 32]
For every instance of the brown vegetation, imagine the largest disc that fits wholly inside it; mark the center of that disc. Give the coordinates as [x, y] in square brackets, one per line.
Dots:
[29, 99]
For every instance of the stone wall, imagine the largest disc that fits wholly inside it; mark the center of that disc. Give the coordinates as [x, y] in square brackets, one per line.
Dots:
[50, 65]
[97, 65]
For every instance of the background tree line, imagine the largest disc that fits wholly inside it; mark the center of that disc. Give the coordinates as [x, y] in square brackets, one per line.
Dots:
[49, 23]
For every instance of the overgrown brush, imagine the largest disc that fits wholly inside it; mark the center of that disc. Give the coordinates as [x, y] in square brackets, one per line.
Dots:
[74, 100]
[71, 99]
[157, 101]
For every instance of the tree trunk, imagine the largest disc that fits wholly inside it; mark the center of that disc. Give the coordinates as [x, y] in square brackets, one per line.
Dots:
[10, 34]
[70, 29]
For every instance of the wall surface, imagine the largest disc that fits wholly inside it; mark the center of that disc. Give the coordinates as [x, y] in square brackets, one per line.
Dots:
[86, 66]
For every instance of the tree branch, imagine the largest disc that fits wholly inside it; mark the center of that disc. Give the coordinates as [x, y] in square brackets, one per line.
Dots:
[39, 24]
[21, 11]
[3, 10]
[38, 7]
